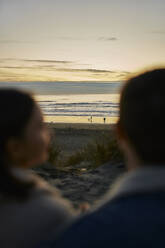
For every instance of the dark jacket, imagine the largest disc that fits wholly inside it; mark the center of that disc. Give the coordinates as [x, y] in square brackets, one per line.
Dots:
[134, 216]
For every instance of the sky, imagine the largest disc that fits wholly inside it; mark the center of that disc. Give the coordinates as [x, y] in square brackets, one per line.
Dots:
[75, 40]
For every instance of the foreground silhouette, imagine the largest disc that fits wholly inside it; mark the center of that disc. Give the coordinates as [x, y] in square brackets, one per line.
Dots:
[29, 208]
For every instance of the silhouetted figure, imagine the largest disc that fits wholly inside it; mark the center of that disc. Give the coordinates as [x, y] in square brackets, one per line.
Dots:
[91, 119]
[104, 119]
[29, 208]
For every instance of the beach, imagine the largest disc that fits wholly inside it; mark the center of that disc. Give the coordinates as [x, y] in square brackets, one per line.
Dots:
[79, 184]
[74, 136]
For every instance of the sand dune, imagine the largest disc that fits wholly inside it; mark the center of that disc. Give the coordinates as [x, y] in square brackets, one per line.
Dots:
[89, 186]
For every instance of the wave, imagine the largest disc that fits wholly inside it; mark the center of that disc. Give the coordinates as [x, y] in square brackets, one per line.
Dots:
[95, 108]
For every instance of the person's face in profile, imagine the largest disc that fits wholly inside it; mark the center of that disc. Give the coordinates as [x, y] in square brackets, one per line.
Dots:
[32, 148]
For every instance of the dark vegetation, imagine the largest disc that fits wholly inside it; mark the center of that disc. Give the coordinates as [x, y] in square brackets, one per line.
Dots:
[95, 153]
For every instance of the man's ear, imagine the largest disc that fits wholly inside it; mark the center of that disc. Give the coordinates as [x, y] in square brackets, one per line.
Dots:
[119, 131]
[130, 155]
[121, 136]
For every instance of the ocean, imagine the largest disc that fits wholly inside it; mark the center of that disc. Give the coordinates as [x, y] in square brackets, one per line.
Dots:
[77, 102]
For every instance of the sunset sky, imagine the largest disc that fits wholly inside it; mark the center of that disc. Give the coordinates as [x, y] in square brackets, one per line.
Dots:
[79, 40]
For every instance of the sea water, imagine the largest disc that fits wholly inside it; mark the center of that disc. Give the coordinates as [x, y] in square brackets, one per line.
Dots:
[81, 102]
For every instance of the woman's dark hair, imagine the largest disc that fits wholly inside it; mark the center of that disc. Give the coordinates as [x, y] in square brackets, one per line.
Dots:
[16, 109]
[142, 115]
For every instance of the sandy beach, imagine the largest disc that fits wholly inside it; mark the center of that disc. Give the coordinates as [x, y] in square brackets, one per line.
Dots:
[83, 185]
[74, 136]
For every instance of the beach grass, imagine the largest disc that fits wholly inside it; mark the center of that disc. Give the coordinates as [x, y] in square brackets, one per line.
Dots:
[96, 153]
[99, 149]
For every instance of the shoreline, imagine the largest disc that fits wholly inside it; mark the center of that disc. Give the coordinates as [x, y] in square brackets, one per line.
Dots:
[81, 119]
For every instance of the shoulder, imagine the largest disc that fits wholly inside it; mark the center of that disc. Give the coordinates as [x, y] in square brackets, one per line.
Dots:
[51, 213]
[126, 218]
[49, 198]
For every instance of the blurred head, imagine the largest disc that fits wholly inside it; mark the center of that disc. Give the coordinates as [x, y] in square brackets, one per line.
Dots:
[141, 126]
[24, 139]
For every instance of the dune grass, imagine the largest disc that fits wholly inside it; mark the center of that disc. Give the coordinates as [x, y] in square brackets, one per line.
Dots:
[92, 155]
[54, 150]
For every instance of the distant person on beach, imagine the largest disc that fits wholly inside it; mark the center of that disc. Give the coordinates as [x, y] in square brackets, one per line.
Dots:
[29, 208]
[104, 119]
[134, 214]
[91, 119]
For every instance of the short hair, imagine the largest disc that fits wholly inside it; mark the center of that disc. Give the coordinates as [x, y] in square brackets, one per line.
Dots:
[142, 115]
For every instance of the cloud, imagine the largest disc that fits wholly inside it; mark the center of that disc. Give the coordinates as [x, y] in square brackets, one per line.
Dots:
[12, 67]
[125, 72]
[68, 38]
[63, 37]
[26, 67]
[7, 59]
[37, 61]
[99, 71]
[108, 38]
[86, 70]
[158, 32]
[48, 61]
[15, 41]
[51, 65]
[54, 70]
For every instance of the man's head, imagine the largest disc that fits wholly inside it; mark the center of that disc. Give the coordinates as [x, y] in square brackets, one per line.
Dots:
[142, 116]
